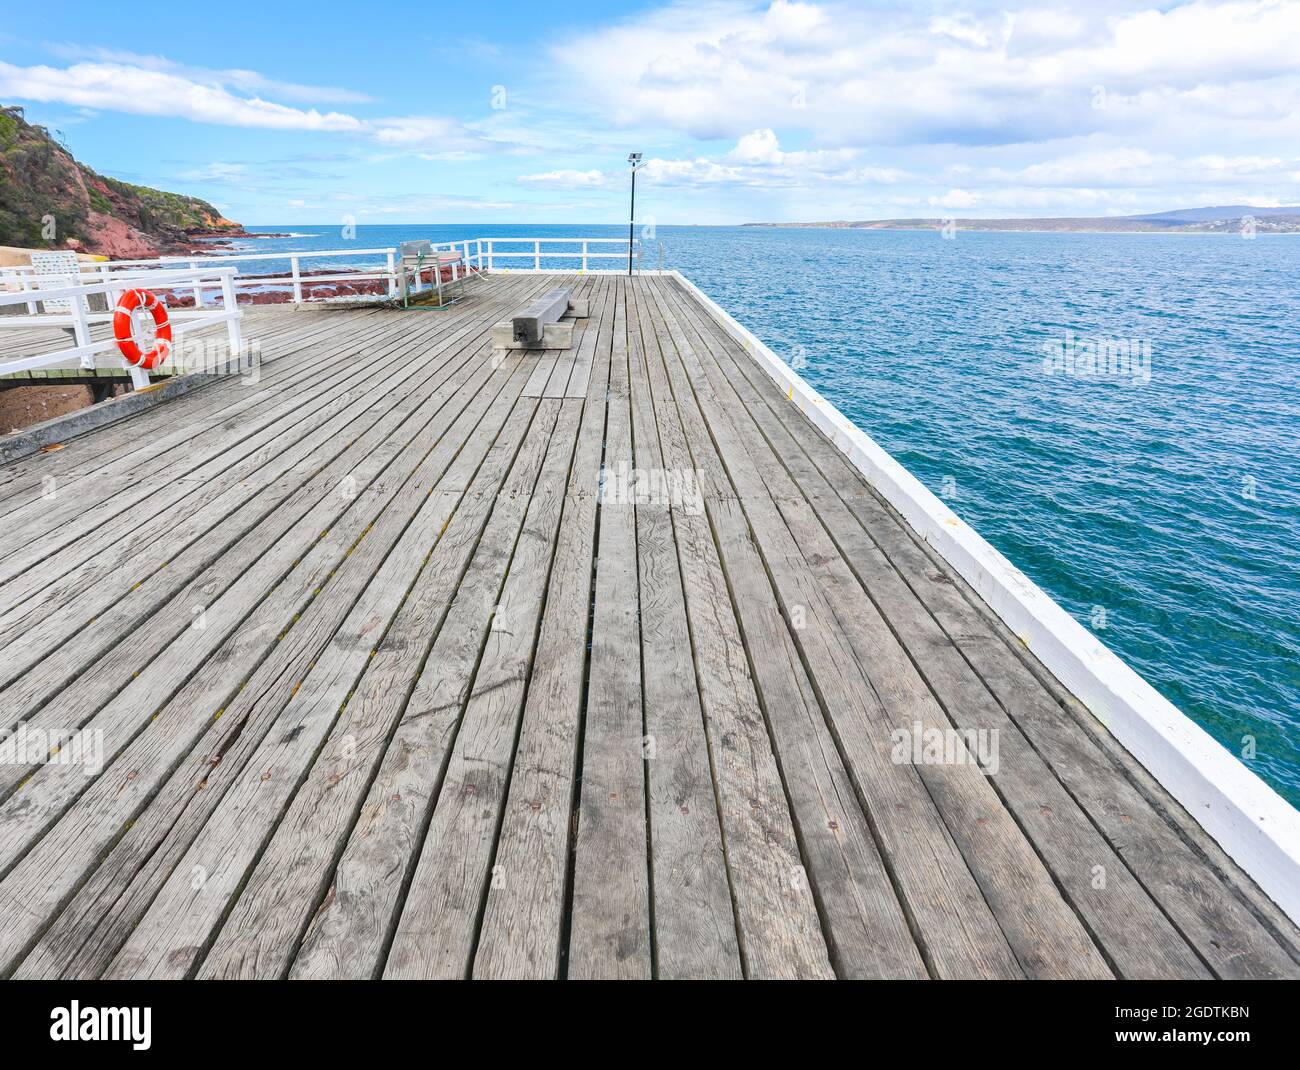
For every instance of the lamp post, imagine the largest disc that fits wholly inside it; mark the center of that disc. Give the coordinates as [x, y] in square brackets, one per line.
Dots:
[633, 158]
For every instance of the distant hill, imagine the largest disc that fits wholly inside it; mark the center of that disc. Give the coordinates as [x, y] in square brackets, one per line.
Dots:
[1233, 212]
[1222, 219]
[40, 182]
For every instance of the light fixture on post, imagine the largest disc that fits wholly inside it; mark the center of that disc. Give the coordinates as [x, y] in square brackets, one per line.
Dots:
[634, 158]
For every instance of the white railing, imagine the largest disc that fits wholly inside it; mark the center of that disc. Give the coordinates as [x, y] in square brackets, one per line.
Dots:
[487, 254]
[80, 317]
[476, 255]
[24, 276]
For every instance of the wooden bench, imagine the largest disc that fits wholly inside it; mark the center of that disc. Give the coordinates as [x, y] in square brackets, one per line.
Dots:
[541, 324]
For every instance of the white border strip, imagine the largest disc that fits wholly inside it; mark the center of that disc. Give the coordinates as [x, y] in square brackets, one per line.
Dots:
[1257, 827]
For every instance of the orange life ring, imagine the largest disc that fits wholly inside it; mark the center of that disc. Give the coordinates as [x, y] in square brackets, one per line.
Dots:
[123, 335]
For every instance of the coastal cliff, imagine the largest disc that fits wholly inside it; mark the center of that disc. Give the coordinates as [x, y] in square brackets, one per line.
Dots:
[50, 201]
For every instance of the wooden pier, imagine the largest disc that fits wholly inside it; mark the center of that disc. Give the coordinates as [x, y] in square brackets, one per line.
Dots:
[383, 684]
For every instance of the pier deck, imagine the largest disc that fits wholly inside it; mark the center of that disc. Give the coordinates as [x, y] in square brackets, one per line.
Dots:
[385, 686]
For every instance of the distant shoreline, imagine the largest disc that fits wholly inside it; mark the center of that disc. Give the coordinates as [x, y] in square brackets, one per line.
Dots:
[1185, 231]
[1221, 220]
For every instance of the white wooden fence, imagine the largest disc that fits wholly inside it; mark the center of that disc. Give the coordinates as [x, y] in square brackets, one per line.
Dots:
[480, 254]
[79, 316]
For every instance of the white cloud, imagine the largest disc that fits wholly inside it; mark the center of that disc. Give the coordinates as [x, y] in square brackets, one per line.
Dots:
[157, 88]
[1112, 107]
[417, 206]
[563, 179]
[217, 171]
[417, 130]
[756, 160]
[960, 28]
[1242, 165]
[761, 148]
[248, 81]
[1119, 168]
[955, 198]
[142, 91]
[849, 76]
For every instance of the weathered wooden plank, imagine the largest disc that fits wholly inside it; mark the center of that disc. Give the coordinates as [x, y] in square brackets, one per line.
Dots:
[536, 385]
[101, 812]
[271, 401]
[1203, 909]
[439, 921]
[291, 345]
[558, 381]
[774, 637]
[610, 930]
[83, 454]
[266, 923]
[125, 548]
[580, 377]
[176, 474]
[120, 589]
[349, 934]
[179, 923]
[122, 548]
[866, 931]
[1210, 910]
[1047, 936]
[98, 686]
[523, 919]
[55, 786]
[694, 924]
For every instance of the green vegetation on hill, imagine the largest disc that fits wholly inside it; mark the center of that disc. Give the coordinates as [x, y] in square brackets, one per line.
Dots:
[40, 184]
[160, 210]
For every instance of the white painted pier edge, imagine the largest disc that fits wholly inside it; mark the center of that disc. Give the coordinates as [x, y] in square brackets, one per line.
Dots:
[1258, 829]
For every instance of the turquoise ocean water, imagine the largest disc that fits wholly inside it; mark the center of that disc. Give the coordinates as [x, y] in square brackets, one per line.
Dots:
[1157, 497]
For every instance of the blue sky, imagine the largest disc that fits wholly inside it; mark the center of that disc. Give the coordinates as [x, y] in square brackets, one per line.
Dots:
[525, 112]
